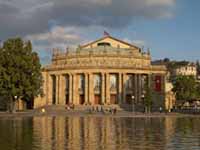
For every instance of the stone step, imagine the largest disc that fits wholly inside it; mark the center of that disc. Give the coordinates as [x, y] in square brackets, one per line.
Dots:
[124, 107]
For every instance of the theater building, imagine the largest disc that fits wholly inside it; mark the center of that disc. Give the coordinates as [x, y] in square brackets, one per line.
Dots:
[107, 71]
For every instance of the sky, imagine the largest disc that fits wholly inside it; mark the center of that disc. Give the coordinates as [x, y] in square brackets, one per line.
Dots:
[169, 28]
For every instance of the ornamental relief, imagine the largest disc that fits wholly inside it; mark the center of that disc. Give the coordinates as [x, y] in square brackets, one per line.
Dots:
[105, 62]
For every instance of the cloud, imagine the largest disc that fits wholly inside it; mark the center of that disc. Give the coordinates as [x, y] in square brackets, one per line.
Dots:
[57, 35]
[62, 23]
[140, 43]
[25, 17]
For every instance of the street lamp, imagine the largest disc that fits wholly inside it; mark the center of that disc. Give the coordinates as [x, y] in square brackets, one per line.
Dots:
[142, 96]
[133, 103]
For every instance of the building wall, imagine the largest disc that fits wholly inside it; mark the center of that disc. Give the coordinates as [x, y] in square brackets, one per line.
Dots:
[186, 70]
[90, 60]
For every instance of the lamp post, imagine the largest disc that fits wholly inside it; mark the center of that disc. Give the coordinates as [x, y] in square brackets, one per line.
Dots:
[142, 96]
[133, 103]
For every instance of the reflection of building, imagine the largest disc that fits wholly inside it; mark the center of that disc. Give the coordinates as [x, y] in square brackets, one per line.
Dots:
[106, 71]
[92, 133]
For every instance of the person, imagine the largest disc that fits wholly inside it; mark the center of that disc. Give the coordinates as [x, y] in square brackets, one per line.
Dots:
[115, 111]
[43, 110]
[102, 109]
[68, 107]
[90, 110]
[93, 109]
[160, 109]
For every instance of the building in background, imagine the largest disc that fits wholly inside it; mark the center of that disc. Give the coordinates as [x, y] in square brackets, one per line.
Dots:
[188, 69]
[107, 71]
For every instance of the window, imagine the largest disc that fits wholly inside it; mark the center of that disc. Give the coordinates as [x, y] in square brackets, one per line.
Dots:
[129, 84]
[113, 81]
[104, 44]
[97, 81]
[81, 82]
[67, 82]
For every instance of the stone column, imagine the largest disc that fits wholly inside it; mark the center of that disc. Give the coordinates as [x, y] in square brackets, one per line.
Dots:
[86, 88]
[103, 88]
[57, 89]
[49, 89]
[91, 89]
[139, 87]
[107, 88]
[75, 89]
[136, 87]
[120, 88]
[124, 88]
[70, 88]
[62, 93]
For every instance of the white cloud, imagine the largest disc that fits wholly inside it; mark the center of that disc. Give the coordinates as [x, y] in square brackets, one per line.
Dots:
[161, 2]
[140, 43]
[58, 36]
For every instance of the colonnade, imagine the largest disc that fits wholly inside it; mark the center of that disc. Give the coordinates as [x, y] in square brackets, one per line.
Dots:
[66, 88]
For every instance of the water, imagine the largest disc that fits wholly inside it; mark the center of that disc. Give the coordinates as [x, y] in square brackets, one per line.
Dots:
[99, 133]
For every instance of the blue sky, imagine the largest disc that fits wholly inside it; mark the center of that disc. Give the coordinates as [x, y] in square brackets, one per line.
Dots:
[177, 38]
[170, 28]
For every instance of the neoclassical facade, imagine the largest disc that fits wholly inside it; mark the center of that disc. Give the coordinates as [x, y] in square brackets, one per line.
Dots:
[104, 72]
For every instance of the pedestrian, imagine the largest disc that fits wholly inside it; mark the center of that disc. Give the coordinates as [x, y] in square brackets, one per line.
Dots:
[115, 110]
[160, 109]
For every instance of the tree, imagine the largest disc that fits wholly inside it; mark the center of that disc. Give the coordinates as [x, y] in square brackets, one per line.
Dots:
[198, 66]
[186, 88]
[20, 72]
[148, 99]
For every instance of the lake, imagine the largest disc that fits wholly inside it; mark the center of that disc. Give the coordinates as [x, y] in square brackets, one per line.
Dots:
[99, 133]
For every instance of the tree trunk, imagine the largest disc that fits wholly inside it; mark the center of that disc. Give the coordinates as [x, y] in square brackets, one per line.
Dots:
[149, 109]
[11, 105]
[146, 109]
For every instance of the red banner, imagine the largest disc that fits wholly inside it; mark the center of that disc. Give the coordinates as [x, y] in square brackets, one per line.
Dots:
[158, 83]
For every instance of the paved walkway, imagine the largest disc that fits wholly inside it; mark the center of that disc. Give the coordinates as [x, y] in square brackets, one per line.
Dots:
[86, 113]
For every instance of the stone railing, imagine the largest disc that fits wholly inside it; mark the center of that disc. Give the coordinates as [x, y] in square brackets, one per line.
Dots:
[99, 52]
[101, 62]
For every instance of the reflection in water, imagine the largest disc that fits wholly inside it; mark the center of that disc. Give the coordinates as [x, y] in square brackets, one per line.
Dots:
[99, 133]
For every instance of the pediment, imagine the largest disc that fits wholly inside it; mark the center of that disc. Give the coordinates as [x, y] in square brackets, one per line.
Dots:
[109, 41]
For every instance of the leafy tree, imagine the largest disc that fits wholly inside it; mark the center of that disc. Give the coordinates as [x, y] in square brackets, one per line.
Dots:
[148, 99]
[198, 65]
[186, 88]
[20, 72]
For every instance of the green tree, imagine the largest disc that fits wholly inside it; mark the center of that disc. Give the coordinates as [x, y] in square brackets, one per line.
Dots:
[20, 72]
[185, 87]
[148, 99]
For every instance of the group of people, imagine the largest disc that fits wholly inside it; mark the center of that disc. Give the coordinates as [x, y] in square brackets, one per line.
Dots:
[70, 107]
[102, 110]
